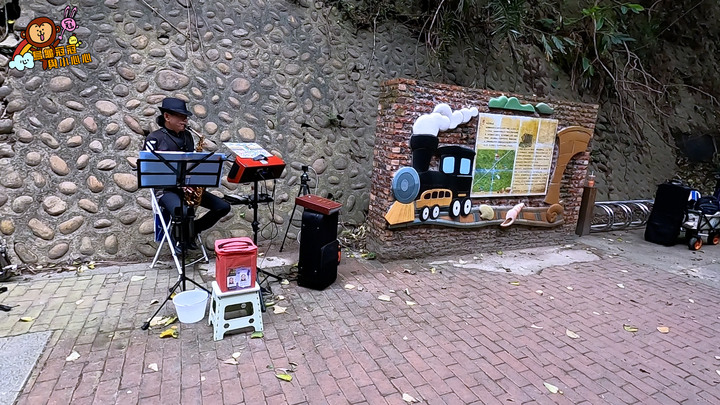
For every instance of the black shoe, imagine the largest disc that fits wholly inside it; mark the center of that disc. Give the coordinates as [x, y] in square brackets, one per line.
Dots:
[192, 245]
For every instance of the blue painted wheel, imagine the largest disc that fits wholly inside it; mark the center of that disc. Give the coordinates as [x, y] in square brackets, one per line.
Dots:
[406, 185]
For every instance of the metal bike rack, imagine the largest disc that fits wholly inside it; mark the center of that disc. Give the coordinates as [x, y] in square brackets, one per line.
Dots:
[616, 215]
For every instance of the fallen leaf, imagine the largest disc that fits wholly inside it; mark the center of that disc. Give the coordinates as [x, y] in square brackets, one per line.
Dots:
[78, 302]
[410, 303]
[630, 328]
[256, 335]
[171, 332]
[535, 326]
[407, 292]
[596, 313]
[717, 357]
[500, 252]
[539, 292]
[284, 377]
[691, 300]
[236, 355]
[411, 272]
[280, 297]
[571, 334]
[73, 356]
[157, 321]
[91, 265]
[27, 319]
[569, 288]
[360, 288]
[384, 298]
[349, 286]
[153, 366]
[153, 302]
[663, 329]
[717, 371]
[408, 398]
[405, 338]
[170, 320]
[621, 285]
[231, 361]
[277, 309]
[137, 278]
[514, 283]
[432, 270]
[284, 282]
[202, 378]
[553, 389]
[392, 291]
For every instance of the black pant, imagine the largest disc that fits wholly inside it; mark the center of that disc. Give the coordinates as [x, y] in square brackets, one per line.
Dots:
[217, 207]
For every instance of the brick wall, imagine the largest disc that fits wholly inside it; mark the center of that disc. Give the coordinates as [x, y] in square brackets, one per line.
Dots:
[402, 101]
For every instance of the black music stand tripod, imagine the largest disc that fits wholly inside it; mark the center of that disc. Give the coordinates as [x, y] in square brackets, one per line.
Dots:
[187, 171]
[304, 190]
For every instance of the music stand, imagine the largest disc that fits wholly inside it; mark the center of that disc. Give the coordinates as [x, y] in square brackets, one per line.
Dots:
[177, 170]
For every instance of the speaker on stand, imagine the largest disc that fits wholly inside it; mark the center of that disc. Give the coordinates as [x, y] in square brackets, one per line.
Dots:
[319, 247]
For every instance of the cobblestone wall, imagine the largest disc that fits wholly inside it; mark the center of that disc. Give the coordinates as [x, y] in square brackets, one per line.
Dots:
[287, 75]
[402, 101]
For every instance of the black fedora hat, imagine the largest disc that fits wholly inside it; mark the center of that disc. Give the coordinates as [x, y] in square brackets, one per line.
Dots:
[174, 105]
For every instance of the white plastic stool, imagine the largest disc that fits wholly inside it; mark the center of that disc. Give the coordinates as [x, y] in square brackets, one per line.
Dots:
[243, 305]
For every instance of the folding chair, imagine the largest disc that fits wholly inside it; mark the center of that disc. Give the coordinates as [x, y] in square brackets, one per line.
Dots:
[163, 231]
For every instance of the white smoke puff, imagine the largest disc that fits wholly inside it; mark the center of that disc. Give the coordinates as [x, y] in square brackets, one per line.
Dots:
[467, 116]
[442, 120]
[456, 119]
[443, 109]
[426, 125]
[474, 111]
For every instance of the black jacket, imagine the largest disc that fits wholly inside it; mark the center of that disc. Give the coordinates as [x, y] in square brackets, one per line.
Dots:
[165, 140]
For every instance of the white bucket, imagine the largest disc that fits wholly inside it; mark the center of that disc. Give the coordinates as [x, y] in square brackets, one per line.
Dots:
[190, 305]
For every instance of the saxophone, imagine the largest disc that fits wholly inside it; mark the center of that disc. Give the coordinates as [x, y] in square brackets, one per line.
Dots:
[193, 195]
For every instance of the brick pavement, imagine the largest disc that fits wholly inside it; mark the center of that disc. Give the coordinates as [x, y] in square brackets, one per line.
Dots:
[468, 339]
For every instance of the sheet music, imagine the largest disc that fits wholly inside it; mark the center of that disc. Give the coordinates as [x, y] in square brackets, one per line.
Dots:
[247, 150]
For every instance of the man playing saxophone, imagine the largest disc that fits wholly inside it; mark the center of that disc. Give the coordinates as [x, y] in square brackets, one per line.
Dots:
[174, 136]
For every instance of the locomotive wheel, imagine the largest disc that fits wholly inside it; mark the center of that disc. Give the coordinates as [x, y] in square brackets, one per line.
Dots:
[714, 238]
[455, 208]
[466, 206]
[695, 243]
[425, 214]
[435, 212]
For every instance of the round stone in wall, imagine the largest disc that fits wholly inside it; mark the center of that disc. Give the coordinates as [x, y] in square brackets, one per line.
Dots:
[106, 164]
[16, 105]
[11, 180]
[90, 124]
[40, 230]
[111, 244]
[54, 205]
[102, 223]
[106, 108]
[49, 140]
[133, 125]
[126, 181]
[112, 128]
[60, 83]
[39, 180]
[24, 253]
[74, 105]
[24, 136]
[115, 202]
[88, 205]
[58, 251]
[82, 162]
[147, 227]
[128, 218]
[58, 166]
[74, 141]
[122, 142]
[170, 81]
[22, 203]
[86, 247]
[240, 85]
[96, 146]
[94, 184]
[66, 125]
[68, 188]
[71, 225]
[33, 158]
[7, 227]
[246, 134]
[200, 110]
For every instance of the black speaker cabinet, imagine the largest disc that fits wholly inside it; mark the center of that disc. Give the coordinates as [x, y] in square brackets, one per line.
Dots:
[663, 226]
[317, 265]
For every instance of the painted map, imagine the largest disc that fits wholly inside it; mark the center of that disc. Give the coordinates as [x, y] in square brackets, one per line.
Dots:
[513, 155]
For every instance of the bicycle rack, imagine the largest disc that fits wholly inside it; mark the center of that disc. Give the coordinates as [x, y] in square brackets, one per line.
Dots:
[616, 215]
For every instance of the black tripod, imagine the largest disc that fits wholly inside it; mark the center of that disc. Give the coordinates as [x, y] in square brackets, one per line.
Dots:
[160, 172]
[304, 190]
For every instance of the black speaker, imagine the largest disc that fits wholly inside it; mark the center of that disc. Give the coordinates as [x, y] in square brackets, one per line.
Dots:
[317, 265]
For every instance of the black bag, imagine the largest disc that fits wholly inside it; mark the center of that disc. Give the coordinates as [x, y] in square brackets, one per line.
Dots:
[708, 205]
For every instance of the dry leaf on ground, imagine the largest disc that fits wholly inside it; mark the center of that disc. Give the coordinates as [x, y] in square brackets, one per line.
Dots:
[349, 286]
[231, 361]
[78, 302]
[571, 334]
[692, 301]
[256, 335]
[170, 332]
[73, 356]
[514, 283]
[137, 278]
[284, 377]
[277, 309]
[553, 389]
[663, 329]
[539, 292]
[621, 285]
[153, 366]
[630, 328]
[409, 398]
[410, 303]
[27, 319]
[569, 288]
[535, 326]
[236, 355]
[384, 297]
